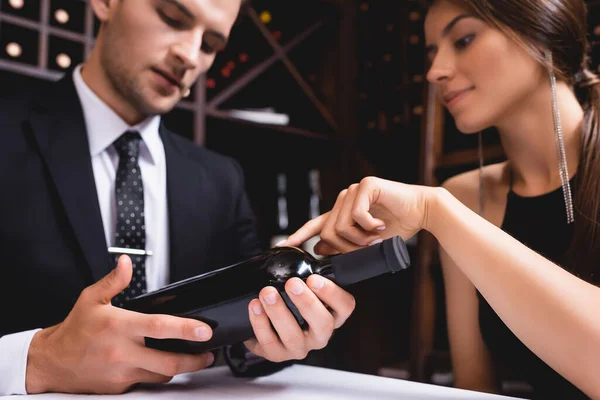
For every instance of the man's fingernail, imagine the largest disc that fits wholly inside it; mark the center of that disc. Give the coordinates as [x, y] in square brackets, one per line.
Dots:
[376, 241]
[210, 358]
[317, 282]
[202, 333]
[296, 287]
[280, 243]
[381, 228]
[256, 308]
[270, 298]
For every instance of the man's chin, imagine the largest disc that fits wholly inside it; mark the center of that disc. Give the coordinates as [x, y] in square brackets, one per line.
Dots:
[162, 106]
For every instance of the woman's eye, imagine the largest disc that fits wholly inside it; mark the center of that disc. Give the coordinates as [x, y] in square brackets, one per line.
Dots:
[464, 41]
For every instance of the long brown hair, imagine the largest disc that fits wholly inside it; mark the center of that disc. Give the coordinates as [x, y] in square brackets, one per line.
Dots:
[561, 27]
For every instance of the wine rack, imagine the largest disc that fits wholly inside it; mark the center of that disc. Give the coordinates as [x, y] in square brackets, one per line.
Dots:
[42, 39]
[390, 85]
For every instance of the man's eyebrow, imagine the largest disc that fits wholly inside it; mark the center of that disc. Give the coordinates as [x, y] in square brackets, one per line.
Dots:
[181, 8]
[217, 35]
[432, 47]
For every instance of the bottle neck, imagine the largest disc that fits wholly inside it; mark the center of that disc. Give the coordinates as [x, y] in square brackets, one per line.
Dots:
[389, 256]
[325, 267]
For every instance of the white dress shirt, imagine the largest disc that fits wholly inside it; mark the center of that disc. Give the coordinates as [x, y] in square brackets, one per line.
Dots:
[104, 126]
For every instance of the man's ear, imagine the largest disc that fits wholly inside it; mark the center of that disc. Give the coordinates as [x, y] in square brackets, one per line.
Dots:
[102, 8]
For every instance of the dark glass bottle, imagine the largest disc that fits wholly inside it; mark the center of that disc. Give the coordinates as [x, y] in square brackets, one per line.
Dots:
[314, 209]
[220, 298]
[283, 222]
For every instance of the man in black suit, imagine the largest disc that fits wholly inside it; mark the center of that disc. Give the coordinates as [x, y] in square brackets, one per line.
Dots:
[87, 165]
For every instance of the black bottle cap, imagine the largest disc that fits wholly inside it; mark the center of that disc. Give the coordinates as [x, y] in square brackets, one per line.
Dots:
[389, 256]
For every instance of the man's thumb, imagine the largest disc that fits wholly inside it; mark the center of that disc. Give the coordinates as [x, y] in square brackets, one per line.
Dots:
[114, 282]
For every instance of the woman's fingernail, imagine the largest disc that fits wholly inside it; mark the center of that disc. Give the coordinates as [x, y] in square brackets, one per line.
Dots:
[381, 228]
[375, 242]
[317, 282]
[257, 308]
[280, 243]
[270, 298]
[296, 287]
[202, 333]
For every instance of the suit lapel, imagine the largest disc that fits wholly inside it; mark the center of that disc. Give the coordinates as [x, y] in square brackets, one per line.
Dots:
[61, 136]
[189, 222]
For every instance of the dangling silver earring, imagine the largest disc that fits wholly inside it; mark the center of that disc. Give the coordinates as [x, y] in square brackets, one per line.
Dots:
[480, 151]
[560, 145]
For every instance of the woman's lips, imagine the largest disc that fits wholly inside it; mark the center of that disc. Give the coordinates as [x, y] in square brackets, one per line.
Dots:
[452, 98]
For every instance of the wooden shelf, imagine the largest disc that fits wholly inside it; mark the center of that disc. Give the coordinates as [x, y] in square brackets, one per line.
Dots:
[283, 129]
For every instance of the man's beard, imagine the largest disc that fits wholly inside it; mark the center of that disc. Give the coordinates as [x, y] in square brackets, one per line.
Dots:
[127, 84]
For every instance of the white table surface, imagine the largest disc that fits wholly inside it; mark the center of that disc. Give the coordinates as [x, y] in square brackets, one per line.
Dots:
[295, 382]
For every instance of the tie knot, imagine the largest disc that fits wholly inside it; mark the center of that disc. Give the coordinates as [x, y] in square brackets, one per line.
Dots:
[128, 145]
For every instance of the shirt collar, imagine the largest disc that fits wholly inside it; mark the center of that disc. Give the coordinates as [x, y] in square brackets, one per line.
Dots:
[104, 125]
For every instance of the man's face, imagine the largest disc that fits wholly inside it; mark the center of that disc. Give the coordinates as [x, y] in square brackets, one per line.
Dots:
[152, 51]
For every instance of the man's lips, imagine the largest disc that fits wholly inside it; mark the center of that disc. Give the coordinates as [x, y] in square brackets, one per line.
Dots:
[171, 78]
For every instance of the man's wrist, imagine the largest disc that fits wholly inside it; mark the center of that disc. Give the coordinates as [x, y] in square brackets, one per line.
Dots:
[38, 363]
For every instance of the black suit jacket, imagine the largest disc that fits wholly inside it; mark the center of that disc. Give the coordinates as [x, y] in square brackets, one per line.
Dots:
[52, 240]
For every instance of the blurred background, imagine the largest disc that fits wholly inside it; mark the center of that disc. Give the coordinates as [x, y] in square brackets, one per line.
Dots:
[309, 96]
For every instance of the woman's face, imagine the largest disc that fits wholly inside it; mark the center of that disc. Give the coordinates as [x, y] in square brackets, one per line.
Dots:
[482, 76]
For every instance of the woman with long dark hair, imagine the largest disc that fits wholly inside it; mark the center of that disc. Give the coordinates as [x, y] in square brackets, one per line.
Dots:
[521, 281]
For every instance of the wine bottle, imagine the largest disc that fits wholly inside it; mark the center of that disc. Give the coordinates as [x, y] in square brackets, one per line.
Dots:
[67, 15]
[220, 298]
[64, 54]
[19, 44]
[283, 221]
[314, 209]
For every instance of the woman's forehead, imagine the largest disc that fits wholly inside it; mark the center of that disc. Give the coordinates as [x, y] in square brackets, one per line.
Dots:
[439, 14]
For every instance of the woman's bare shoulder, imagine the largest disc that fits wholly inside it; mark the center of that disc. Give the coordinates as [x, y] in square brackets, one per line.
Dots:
[465, 186]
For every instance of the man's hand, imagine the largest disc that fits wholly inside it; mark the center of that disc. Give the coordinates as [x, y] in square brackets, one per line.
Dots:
[100, 348]
[288, 341]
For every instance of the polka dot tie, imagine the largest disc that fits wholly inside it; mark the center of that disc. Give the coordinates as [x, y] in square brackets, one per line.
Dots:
[130, 229]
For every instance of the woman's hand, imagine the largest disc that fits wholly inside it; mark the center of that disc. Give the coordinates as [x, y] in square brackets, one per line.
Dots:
[366, 213]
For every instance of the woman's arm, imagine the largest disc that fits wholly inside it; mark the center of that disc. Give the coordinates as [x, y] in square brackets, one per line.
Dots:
[471, 362]
[550, 310]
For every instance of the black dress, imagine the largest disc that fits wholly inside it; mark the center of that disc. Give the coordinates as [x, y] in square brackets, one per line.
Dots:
[540, 223]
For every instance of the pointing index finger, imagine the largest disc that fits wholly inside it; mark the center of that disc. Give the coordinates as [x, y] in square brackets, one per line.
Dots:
[308, 230]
